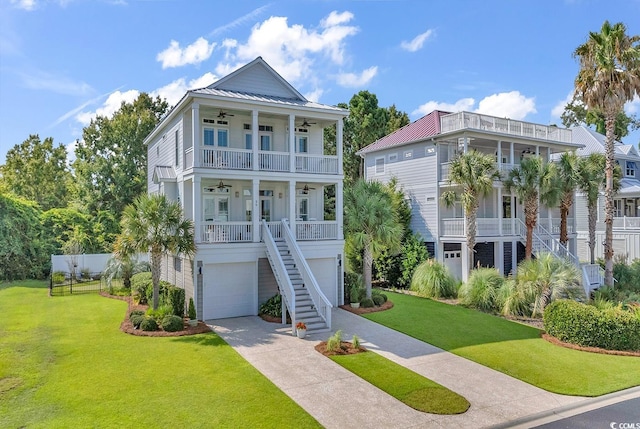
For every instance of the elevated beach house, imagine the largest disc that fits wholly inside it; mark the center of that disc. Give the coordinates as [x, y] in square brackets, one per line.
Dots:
[245, 158]
[418, 155]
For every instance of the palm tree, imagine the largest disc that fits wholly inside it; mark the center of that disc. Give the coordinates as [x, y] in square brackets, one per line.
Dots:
[567, 172]
[541, 280]
[155, 224]
[591, 178]
[533, 181]
[370, 224]
[123, 267]
[609, 77]
[474, 172]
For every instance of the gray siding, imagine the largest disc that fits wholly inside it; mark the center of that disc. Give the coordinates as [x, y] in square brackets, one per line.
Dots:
[162, 151]
[267, 285]
[255, 81]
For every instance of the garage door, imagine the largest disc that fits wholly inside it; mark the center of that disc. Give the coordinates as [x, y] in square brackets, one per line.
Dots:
[229, 290]
[453, 261]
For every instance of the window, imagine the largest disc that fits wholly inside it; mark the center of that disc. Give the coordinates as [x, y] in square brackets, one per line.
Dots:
[216, 137]
[430, 151]
[265, 142]
[617, 208]
[177, 148]
[393, 157]
[302, 146]
[216, 208]
[248, 141]
[408, 154]
[379, 165]
[223, 140]
[208, 137]
[302, 212]
[631, 169]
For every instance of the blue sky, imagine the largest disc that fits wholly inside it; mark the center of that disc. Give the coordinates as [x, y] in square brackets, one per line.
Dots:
[63, 61]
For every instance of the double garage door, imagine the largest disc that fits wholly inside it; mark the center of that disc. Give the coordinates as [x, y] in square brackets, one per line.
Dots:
[229, 290]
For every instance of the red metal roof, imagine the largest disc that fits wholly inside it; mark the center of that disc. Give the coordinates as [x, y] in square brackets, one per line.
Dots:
[427, 126]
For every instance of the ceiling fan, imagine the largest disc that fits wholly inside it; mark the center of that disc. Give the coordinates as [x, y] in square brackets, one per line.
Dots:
[224, 114]
[306, 188]
[306, 123]
[219, 187]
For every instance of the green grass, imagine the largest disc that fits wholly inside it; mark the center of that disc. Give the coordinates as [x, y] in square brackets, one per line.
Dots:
[403, 384]
[65, 363]
[512, 348]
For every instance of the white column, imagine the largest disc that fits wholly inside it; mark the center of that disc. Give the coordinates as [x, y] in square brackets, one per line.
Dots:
[340, 209]
[255, 208]
[339, 143]
[514, 257]
[255, 146]
[511, 159]
[292, 143]
[467, 261]
[499, 258]
[466, 144]
[196, 199]
[292, 207]
[195, 133]
[499, 211]
[499, 154]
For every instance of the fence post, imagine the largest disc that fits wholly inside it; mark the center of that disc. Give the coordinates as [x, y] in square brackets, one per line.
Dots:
[50, 283]
[71, 284]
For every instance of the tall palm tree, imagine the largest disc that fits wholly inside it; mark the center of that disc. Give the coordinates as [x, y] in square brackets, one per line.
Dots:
[474, 172]
[533, 181]
[155, 224]
[609, 77]
[567, 172]
[370, 224]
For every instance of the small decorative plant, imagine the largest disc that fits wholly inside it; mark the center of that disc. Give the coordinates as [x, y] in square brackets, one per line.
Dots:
[192, 310]
[301, 325]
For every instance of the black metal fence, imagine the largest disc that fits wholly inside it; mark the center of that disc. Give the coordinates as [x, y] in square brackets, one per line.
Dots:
[65, 283]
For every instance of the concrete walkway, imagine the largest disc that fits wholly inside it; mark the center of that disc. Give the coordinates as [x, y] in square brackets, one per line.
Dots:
[339, 399]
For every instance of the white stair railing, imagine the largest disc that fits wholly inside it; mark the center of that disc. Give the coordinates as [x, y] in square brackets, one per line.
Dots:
[280, 273]
[322, 304]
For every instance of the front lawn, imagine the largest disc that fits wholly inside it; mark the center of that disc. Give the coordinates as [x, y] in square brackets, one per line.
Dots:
[512, 348]
[65, 363]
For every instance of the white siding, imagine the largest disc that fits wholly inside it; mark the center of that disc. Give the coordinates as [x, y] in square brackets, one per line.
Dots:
[324, 270]
[257, 80]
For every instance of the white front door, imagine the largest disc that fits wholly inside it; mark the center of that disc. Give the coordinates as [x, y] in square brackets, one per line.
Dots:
[266, 205]
[216, 208]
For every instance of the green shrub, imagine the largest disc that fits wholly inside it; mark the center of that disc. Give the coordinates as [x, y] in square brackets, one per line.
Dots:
[432, 279]
[586, 325]
[161, 312]
[378, 292]
[367, 303]
[192, 310]
[271, 307]
[175, 298]
[355, 342]
[414, 252]
[172, 323]
[58, 277]
[149, 324]
[134, 312]
[378, 300]
[140, 283]
[335, 341]
[137, 319]
[482, 289]
[355, 286]
[85, 274]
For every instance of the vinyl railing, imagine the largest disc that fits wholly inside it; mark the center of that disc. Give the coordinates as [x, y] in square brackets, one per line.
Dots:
[188, 158]
[316, 230]
[466, 120]
[229, 159]
[280, 273]
[626, 222]
[275, 228]
[226, 232]
[322, 304]
[318, 164]
[274, 161]
[592, 278]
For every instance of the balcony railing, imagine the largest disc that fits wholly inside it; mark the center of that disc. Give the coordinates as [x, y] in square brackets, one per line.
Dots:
[227, 159]
[274, 161]
[626, 222]
[466, 120]
[490, 227]
[321, 164]
[316, 230]
[226, 232]
[503, 169]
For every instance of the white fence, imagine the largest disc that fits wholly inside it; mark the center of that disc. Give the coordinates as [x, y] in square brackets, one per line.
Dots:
[94, 263]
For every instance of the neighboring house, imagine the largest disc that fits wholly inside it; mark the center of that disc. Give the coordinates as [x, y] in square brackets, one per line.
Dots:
[245, 159]
[418, 156]
[626, 220]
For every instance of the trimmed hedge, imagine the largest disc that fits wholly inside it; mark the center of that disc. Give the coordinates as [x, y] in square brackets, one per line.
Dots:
[149, 324]
[172, 323]
[175, 298]
[585, 325]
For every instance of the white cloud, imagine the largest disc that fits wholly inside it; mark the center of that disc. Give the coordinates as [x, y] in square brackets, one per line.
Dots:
[174, 91]
[24, 4]
[47, 81]
[511, 105]
[417, 41]
[558, 109]
[354, 80]
[71, 151]
[110, 106]
[314, 95]
[243, 19]
[633, 106]
[430, 106]
[291, 49]
[195, 53]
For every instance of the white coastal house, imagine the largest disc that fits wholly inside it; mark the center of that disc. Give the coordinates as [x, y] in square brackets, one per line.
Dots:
[418, 155]
[626, 220]
[245, 158]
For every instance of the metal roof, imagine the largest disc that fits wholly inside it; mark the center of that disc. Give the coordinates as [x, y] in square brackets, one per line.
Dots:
[164, 173]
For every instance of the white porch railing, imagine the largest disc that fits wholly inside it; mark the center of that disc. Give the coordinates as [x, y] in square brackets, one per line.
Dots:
[316, 230]
[626, 222]
[274, 161]
[188, 158]
[322, 304]
[319, 164]
[503, 169]
[226, 232]
[592, 278]
[225, 158]
[280, 273]
[275, 228]
[464, 120]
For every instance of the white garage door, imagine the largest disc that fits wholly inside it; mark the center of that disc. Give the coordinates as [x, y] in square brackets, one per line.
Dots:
[453, 261]
[230, 290]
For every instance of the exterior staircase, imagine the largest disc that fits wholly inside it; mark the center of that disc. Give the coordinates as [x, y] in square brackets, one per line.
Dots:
[301, 294]
[543, 241]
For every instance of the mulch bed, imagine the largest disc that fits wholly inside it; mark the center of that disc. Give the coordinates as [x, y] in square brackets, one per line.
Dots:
[361, 310]
[557, 342]
[346, 348]
[128, 328]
